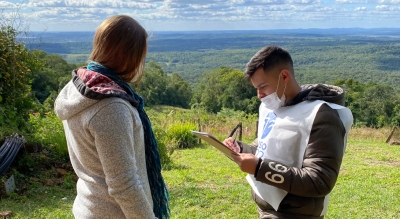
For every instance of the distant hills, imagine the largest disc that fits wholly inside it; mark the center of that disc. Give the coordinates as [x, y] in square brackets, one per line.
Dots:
[195, 40]
[320, 55]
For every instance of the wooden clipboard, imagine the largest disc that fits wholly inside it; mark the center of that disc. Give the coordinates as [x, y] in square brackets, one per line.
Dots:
[215, 142]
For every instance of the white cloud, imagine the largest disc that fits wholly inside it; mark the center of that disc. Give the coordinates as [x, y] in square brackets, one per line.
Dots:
[351, 1]
[237, 1]
[6, 5]
[387, 8]
[385, 2]
[92, 3]
[303, 1]
[68, 14]
[360, 9]
[269, 1]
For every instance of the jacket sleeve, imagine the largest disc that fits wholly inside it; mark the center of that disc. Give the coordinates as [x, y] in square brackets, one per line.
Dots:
[248, 149]
[113, 128]
[321, 163]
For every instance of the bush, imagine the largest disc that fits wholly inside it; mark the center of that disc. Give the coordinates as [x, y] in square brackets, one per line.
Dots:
[180, 135]
[165, 149]
[50, 132]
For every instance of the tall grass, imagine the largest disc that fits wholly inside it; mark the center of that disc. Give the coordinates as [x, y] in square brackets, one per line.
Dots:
[180, 135]
[370, 134]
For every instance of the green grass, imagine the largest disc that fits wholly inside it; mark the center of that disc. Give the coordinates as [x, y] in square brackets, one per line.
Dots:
[205, 184]
[40, 202]
[369, 182]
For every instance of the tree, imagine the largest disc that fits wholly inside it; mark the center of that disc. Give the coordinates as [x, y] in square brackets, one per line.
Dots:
[157, 87]
[225, 88]
[16, 66]
[396, 116]
[153, 85]
[178, 91]
[52, 77]
[372, 104]
[377, 104]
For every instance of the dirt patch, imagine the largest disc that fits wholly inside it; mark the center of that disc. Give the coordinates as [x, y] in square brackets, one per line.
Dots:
[393, 163]
[40, 167]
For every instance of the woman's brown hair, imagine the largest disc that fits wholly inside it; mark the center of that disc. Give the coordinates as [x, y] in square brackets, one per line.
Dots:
[120, 44]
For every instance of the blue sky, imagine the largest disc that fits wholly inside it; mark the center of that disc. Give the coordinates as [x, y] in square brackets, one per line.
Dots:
[170, 15]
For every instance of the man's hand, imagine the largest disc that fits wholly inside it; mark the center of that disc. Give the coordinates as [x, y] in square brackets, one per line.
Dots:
[246, 162]
[232, 144]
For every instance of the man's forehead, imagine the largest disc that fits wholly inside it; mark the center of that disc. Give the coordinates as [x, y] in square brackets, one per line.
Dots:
[260, 84]
[259, 79]
[262, 77]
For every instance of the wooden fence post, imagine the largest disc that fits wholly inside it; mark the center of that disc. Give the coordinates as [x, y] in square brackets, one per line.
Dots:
[199, 126]
[391, 134]
[240, 127]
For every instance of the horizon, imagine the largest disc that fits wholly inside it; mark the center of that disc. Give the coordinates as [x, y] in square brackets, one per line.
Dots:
[363, 28]
[183, 15]
[235, 30]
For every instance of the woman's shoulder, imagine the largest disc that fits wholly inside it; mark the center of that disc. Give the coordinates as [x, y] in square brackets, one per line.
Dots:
[114, 104]
[115, 109]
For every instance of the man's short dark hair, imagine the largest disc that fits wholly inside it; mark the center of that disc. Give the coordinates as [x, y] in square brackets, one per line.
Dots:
[268, 57]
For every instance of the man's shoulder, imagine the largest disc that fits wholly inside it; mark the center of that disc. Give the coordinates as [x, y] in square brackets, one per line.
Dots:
[326, 115]
[325, 107]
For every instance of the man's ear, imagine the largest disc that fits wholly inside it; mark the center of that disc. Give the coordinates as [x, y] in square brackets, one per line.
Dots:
[286, 75]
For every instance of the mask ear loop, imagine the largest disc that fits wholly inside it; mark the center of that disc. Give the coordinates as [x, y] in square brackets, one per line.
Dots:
[284, 89]
[279, 79]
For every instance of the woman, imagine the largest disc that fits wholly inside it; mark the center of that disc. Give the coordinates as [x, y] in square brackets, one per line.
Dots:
[110, 140]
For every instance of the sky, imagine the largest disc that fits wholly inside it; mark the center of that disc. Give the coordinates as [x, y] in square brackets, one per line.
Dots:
[191, 15]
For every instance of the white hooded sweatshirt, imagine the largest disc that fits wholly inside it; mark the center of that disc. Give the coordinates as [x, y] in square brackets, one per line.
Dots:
[106, 147]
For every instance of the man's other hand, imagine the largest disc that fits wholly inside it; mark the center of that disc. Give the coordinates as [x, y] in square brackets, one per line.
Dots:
[232, 144]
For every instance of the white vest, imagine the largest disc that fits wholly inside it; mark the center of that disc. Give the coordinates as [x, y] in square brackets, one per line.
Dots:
[283, 136]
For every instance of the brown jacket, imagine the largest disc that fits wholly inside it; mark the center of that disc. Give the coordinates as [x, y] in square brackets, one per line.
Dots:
[307, 186]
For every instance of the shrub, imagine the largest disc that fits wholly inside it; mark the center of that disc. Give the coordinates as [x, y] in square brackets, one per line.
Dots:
[165, 149]
[49, 131]
[179, 134]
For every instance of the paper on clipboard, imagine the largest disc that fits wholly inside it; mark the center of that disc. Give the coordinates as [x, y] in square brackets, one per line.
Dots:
[215, 142]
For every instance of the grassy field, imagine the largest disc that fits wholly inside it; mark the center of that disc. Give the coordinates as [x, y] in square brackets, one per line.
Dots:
[369, 180]
[205, 184]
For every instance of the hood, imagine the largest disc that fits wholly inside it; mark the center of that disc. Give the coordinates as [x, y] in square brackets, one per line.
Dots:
[325, 92]
[85, 89]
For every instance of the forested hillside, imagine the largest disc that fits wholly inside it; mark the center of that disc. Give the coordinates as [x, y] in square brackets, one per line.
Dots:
[320, 56]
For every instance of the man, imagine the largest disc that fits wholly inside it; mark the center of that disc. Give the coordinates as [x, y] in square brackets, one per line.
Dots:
[295, 160]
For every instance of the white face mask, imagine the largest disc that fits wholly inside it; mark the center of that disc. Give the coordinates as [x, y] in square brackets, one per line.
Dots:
[272, 101]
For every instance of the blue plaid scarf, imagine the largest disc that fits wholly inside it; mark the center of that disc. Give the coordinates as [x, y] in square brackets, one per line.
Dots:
[159, 191]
